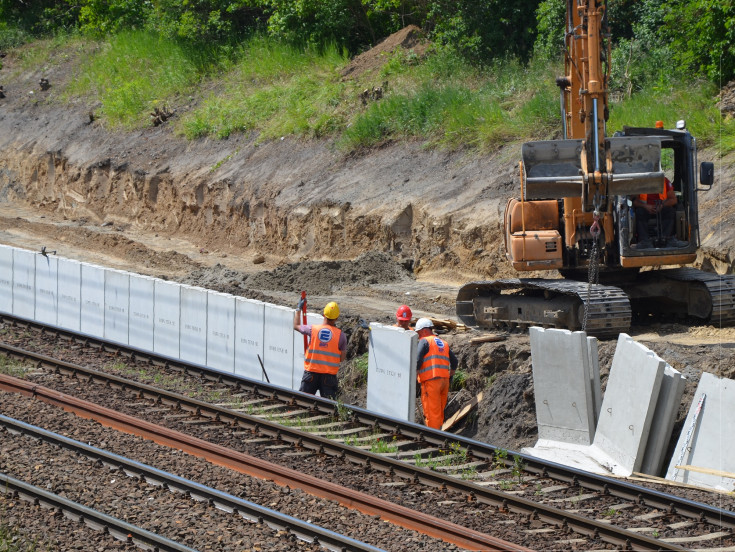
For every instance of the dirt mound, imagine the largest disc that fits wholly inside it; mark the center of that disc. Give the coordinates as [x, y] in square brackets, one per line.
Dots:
[321, 278]
[408, 38]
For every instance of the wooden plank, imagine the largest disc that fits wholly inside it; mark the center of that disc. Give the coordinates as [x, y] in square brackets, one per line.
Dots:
[708, 471]
[487, 339]
[462, 412]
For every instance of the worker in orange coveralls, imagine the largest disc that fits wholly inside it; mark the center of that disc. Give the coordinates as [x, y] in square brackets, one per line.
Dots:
[435, 366]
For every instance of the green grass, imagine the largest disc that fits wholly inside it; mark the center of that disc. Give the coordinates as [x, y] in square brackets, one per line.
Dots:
[275, 90]
[12, 367]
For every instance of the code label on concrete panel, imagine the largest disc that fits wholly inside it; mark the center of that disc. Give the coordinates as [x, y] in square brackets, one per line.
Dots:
[249, 324]
[278, 345]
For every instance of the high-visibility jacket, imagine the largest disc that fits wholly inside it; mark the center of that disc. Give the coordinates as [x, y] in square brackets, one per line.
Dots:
[653, 198]
[323, 354]
[436, 362]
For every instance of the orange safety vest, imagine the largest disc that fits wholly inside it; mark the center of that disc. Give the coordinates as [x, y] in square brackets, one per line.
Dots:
[436, 362]
[323, 354]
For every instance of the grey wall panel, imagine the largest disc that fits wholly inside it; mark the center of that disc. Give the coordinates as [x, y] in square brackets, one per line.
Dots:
[392, 372]
[141, 312]
[117, 305]
[70, 294]
[24, 283]
[166, 318]
[6, 279]
[249, 329]
[93, 300]
[278, 345]
[221, 331]
[193, 345]
[47, 292]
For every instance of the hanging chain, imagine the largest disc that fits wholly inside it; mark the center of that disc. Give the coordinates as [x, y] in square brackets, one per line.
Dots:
[593, 273]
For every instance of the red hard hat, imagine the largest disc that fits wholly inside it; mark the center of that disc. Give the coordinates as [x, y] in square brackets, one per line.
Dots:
[404, 313]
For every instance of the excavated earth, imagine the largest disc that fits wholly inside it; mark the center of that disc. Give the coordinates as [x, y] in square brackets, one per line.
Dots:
[401, 223]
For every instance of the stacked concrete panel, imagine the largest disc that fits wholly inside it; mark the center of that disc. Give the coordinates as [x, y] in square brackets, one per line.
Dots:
[141, 312]
[391, 386]
[6, 278]
[117, 305]
[70, 294]
[630, 402]
[564, 383]
[221, 332]
[705, 452]
[47, 291]
[249, 335]
[193, 327]
[24, 284]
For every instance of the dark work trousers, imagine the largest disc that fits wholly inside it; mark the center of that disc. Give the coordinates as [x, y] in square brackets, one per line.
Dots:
[668, 215]
[326, 384]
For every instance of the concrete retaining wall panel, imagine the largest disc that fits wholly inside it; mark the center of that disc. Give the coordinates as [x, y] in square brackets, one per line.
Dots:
[711, 447]
[117, 306]
[193, 328]
[630, 400]
[24, 283]
[166, 318]
[93, 300]
[667, 407]
[70, 294]
[141, 312]
[6, 279]
[392, 372]
[249, 327]
[221, 331]
[562, 385]
[278, 345]
[47, 290]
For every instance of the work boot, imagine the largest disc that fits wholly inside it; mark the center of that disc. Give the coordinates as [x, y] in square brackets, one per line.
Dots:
[645, 244]
[674, 242]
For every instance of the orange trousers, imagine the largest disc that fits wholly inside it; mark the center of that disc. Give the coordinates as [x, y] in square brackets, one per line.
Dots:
[434, 394]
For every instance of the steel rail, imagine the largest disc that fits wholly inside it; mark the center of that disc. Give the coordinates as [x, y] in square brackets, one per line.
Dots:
[503, 501]
[231, 504]
[608, 485]
[96, 520]
[244, 463]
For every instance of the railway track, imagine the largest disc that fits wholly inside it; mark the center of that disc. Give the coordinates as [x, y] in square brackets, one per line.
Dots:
[514, 484]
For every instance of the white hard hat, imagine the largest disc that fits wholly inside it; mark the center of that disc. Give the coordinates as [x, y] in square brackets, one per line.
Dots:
[422, 323]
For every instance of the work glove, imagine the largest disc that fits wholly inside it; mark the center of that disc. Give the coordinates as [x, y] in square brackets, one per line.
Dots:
[300, 306]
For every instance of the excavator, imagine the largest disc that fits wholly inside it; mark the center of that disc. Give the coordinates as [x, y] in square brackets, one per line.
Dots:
[575, 215]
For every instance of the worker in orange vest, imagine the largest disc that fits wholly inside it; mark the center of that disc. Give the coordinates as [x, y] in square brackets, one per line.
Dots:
[435, 365]
[403, 317]
[326, 350]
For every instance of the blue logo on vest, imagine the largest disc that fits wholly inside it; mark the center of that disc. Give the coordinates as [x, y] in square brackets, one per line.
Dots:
[439, 343]
[324, 335]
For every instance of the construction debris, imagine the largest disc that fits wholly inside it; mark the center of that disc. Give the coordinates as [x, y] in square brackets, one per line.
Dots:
[489, 338]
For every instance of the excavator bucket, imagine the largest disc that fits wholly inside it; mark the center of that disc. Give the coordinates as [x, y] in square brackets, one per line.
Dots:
[554, 167]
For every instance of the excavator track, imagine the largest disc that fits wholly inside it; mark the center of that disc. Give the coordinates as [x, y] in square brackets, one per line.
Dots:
[688, 292]
[548, 303]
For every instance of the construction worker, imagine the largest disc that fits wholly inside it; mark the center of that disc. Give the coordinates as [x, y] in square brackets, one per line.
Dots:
[327, 348]
[403, 317]
[654, 205]
[435, 365]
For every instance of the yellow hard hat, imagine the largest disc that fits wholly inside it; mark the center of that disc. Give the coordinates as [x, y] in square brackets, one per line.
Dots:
[331, 311]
